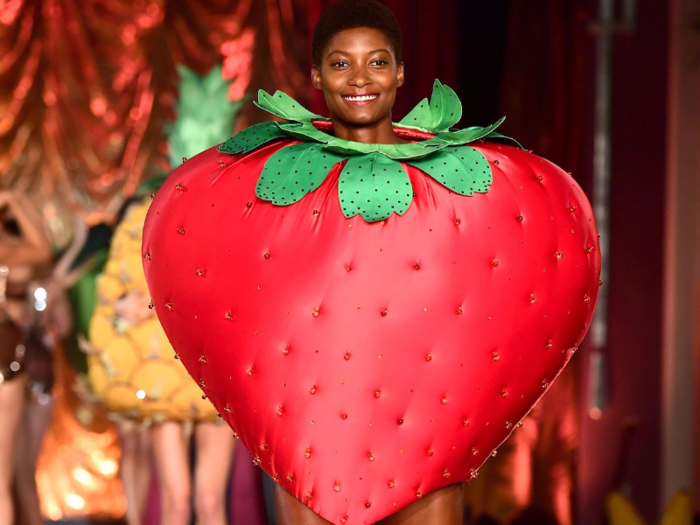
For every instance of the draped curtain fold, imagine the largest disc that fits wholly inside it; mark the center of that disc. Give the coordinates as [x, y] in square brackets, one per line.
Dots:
[86, 86]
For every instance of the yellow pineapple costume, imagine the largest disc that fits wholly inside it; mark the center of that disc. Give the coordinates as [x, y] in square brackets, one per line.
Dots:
[621, 510]
[132, 369]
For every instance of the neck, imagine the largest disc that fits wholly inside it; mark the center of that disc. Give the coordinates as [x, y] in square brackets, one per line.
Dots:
[381, 132]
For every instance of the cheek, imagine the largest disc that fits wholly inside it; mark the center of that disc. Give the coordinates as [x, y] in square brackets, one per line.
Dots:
[332, 87]
[390, 83]
[390, 93]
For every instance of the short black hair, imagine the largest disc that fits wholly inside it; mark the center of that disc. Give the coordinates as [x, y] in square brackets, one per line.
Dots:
[350, 14]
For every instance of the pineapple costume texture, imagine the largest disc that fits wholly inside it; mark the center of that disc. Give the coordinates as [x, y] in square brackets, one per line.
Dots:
[133, 370]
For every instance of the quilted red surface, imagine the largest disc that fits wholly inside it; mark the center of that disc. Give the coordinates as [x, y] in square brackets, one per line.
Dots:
[367, 365]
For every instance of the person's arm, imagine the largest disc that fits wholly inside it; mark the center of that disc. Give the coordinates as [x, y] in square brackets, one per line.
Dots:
[33, 247]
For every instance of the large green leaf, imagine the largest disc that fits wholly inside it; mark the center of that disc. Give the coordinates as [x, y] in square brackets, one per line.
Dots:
[284, 106]
[439, 114]
[436, 116]
[372, 183]
[461, 169]
[294, 171]
[375, 187]
[252, 138]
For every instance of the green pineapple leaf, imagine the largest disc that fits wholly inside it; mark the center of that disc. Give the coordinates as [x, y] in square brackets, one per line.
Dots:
[204, 114]
[283, 106]
[374, 186]
[294, 171]
[461, 169]
[442, 112]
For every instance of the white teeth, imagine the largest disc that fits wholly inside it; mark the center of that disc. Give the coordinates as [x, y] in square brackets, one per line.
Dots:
[362, 98]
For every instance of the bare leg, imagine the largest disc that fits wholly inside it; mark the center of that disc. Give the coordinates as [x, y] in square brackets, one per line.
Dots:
[135, 471]
[443, 507]
[291, 511]
[11, 403]
[35, 420]
[214, 454]
[142, 479]
[172, 462]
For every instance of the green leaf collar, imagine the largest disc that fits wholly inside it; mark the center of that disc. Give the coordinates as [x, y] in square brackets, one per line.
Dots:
[373, 182]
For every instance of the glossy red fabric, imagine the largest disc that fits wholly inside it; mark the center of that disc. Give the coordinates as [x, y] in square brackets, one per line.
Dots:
[367, 365]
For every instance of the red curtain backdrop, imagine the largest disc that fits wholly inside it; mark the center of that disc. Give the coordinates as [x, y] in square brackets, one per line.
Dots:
[87, 85]
[546, 91]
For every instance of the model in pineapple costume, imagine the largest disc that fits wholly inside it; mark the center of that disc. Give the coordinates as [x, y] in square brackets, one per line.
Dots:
[132, 366]
[372, 307]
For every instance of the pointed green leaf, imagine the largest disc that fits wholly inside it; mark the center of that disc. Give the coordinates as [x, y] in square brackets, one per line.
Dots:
[442, 112]
[461, 169]
[252, 137]
[211, 82]
[375, 187]
[284, 106]
[465, 136]
[294, 171]
[503, 138]
[186, 74]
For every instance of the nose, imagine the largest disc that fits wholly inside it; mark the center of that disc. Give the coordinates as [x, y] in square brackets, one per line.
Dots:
[360, 78]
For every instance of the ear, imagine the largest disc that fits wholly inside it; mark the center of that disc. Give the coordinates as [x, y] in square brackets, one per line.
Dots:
[316, 77]
[399, 75]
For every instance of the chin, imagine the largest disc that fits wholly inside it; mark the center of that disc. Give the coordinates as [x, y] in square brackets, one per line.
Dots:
[362, 119]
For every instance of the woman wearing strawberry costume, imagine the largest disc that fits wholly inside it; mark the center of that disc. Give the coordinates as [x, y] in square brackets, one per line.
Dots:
[372, 307]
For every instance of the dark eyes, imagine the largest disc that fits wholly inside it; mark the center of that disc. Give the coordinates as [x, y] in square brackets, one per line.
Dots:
[377, 63]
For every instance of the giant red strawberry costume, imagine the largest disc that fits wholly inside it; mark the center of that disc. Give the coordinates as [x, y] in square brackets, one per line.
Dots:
[371, 320]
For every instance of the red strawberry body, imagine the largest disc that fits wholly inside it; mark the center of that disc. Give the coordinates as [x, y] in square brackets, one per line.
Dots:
[365, 365]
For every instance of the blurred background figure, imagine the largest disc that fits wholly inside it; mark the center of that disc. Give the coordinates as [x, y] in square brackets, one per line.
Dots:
[536, 465]
[131, 365]
[24, 253]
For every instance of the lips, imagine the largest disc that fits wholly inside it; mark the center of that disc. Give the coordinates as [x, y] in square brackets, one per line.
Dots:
[361, 99]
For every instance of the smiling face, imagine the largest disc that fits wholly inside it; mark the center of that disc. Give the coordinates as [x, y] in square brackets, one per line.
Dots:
[359, 75]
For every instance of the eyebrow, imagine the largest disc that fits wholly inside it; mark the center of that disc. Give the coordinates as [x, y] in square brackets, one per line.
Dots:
[346, 53]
